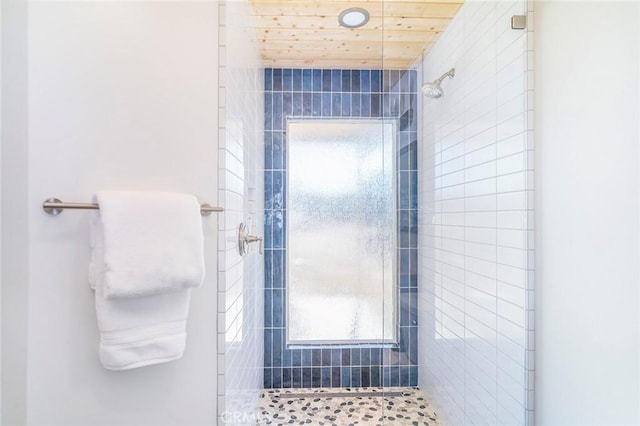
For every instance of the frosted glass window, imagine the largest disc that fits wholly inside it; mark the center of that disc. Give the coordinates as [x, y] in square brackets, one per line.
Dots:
[340, 232]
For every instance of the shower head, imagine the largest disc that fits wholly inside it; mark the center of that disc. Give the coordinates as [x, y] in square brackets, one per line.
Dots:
[433, 89]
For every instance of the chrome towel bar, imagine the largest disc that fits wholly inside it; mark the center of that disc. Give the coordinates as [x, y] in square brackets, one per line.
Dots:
[55, 206]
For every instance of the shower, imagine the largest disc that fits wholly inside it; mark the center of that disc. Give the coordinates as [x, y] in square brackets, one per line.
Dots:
[433, 89]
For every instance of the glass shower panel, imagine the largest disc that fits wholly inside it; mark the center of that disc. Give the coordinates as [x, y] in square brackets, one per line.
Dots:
[340, 230]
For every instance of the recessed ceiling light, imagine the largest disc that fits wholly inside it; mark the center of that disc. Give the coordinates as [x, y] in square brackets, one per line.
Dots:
[353, 17]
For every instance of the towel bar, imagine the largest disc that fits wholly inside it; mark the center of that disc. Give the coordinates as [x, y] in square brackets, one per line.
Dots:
[55, 206]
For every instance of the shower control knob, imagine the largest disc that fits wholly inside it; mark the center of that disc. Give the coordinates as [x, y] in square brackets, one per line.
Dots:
[244, 239]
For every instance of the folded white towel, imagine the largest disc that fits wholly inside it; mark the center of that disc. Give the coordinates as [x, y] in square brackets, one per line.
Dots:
[146, 250]
[149, 243]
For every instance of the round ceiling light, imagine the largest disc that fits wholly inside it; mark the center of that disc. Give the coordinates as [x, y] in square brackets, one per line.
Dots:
[353, 17]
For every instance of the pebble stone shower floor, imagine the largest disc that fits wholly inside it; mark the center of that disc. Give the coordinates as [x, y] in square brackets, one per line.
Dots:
[346, 407]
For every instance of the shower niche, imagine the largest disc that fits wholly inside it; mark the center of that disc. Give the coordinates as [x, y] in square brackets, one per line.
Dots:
[341, 228]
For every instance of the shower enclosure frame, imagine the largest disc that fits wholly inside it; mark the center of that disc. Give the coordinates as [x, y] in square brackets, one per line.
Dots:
[336, 344]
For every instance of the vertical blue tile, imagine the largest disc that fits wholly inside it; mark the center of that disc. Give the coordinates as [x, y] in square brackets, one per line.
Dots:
[278, 311]
[278, 229]
[414, 308]
[404, 227]
[414, 189]
[365, 377]
[296, 374]
[276, 145]
[326, 377]
[365, 105]
[278, 344]
[413, 345]
[335, 377]
[404, 340]
[268, 190]
[268, 308]
[413, 151]
[317, 80]
[346, 377]
[278, 268]
[336, 81]
[307, 80]
[286, 378]
[297, 80]
[365, 356]
[287, 80]
[405, 378]
[326, 104]
[316, 357]
[326, 357]
[336, 104]
[346, 357]
[376, 84]
[278, 189]
[413, 81]
[375, 377]
[365, 81]
[405, 81]
[296, 357]
[346, 80]
[267, 379]
[316, 377]
[277, 111]
[355, 105]
[307, 107]
[317, 105]
[375, 105]
[355, 356]
[355, 377]
[335, 357]
[404, 195]
[287, 105]
[267, 347]
[268, 111]
[268, 228]
[386, 376]
[395, 376]
[413, 271]
[413, 373]
[405, 307]
[355, 80]
[268, 269]
[404, 261]
[268, 82]
[346, 105]
[326, 80]
[277, 80]
[306, 377]
[376, 356]
[286, 357]
[413, 231]
[297, 104]
[268, 149]
[394, 81]
[306, 357]
[276, 378]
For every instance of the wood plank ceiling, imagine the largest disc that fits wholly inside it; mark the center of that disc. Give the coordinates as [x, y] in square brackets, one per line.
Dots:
[306, 34]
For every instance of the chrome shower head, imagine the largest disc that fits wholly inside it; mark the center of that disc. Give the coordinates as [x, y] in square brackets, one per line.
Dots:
[433, 89]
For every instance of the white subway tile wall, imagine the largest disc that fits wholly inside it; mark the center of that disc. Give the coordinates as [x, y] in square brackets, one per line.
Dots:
[241, 173]
[475, 227]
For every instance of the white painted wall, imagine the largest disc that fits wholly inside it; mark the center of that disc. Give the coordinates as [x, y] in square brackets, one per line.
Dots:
[476, 223]
[241, 163]
[120, 95]
[587, 194]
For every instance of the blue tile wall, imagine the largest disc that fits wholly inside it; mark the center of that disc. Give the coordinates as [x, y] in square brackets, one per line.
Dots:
[314, 93]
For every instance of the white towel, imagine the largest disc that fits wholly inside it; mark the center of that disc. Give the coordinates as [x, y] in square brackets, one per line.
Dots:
[142, 298]
[152, 243]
